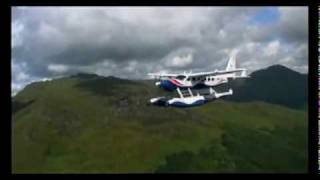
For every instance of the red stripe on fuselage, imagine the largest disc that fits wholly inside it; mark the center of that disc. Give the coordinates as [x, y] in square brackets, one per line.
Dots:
[175, 82]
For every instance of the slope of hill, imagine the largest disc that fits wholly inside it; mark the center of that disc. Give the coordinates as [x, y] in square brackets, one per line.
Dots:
[275, 84]
[91, 124]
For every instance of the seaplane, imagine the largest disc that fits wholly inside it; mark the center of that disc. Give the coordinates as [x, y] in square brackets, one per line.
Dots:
[190, 86]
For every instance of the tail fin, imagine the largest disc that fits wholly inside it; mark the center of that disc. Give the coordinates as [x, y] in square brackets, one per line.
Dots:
[232, 62]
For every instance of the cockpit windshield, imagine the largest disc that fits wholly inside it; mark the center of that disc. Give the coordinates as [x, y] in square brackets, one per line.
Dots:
[181, 77]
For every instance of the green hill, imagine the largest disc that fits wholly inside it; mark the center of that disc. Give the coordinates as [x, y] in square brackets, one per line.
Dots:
[275, 84]
[91, 124]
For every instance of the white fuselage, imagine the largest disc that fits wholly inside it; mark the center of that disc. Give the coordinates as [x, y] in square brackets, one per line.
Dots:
[189, 82]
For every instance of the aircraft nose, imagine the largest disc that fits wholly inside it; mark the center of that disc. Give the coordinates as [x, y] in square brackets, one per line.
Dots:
[158, 83]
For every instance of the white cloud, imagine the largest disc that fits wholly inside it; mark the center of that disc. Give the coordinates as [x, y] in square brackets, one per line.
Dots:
[17, 29]
[21, 76]
[44, 79]
[272, 48]
[130, 42]
[15, 88]
[131, 66]
[302, 69]
[222, 33]
[181, 61]
[252, 47]
[58, 68]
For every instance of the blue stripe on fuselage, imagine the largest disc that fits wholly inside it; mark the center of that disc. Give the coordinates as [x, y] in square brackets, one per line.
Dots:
[167, 85]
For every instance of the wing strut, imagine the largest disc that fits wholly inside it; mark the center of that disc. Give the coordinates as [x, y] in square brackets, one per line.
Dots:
[179, 92]
[190, 92]
[212, 91]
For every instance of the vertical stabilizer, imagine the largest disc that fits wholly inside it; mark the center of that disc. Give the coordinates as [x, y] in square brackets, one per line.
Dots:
[232, 62]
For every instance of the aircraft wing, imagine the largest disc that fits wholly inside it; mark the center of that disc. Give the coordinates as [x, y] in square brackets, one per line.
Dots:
[162, 75]
[212, 73]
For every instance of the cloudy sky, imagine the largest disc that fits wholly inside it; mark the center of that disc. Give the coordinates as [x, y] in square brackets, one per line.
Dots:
[129, 42]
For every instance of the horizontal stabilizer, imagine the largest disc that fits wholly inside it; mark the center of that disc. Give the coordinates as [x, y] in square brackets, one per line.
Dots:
[218, 95]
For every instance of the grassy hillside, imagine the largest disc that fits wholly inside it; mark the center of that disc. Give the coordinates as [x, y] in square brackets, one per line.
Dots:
[91, 124]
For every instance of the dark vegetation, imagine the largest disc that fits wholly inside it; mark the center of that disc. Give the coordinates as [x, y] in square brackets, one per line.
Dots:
[276, 84]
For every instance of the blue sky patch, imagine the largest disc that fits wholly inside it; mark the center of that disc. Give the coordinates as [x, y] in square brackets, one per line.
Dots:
[266, 15]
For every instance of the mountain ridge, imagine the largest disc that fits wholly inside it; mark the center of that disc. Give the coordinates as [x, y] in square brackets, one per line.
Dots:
[276, 84]
[245, 90]
[89, 124]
